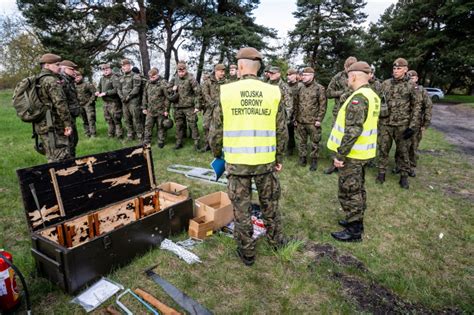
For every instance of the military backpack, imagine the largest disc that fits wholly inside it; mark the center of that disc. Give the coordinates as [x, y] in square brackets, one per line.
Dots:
[26, 100]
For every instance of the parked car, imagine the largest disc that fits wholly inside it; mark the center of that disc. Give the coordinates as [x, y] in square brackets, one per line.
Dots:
[435, 93]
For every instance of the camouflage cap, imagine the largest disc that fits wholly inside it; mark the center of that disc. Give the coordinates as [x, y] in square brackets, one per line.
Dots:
[349, 61]
[308, 70]
[233, 67]
[249, 53]
[400, 62]
[125, 62]
[291, 71]
[360, 66]
[219, 66]
[181, 66]
[68, 63]
[412, 73]
[153, 71]
[274, 69]
[50, 58]
[105, 66]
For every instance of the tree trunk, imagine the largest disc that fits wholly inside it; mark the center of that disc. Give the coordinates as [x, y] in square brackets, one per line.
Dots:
[202, 55]
[142, 29]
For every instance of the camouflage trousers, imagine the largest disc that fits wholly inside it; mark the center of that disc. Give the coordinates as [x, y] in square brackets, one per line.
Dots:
[73, 138]
[59, 149]
[88, 119]
[150, 122]
[305, 131]
[386, 136]
[182, 117]
[414, 142]
[240, 193]
[351, 192]
[206, 124]
[113, 117]
[132, 114]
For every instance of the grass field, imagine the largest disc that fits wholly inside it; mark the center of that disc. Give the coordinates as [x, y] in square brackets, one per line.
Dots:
[418, 243]
[464, 99]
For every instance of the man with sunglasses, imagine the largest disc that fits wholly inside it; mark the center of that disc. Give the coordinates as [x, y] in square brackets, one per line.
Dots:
[399, 122]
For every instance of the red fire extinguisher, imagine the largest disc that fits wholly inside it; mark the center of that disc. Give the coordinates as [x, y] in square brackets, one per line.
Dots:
[9, 295]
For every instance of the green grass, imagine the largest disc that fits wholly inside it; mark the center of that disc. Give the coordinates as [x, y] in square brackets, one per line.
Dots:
[464, 99]
[401, 248]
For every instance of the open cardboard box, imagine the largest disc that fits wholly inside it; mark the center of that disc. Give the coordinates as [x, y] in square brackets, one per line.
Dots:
[215, 207]
[200, 228]
[180, 191]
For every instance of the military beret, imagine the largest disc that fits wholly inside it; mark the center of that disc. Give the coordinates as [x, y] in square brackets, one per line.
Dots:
[274, 69]
[291, 71]
[105, 66]
[152, 72]
[308, 70]
[125, 62]
[219, 66]
[412, 73]
[233, 67]
[181, 66]
[349, 61]
[50, 58]
[248, 53]
[68, 63]
[360, 66]
[400, 62]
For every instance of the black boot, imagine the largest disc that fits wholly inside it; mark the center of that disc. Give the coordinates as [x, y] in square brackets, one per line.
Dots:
[345, 223]
[380, 178]
[404, 182]
[331, 169]
[302, 161]
[247, 260]
[353, 233]
[314, 165]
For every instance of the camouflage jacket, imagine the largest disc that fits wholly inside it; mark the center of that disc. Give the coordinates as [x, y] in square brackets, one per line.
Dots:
[109, 85]
[286, 97]
[426, 107]
[404, 103]
[154, 98]
[376, 85]
[216, 140]
[232, 78]
[294, 95]
[85, 93]
[336, 88]
[210, 93]
[188, 93]
[312, 103]
[130, 85]
[52, 95]
[356, 114]
[69, 88]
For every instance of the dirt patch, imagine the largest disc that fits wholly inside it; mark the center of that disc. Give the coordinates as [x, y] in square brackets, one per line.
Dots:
[368, 295]
[455, 121]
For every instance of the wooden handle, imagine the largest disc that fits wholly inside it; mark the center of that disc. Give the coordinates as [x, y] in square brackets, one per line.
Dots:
[165, 309]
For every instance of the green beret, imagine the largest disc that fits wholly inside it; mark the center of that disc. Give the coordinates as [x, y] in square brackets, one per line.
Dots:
[50, 58]
[249, 53]
[400, 62]
[360, 66]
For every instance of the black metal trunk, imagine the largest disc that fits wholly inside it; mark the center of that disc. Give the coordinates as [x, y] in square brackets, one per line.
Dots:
[96, 213]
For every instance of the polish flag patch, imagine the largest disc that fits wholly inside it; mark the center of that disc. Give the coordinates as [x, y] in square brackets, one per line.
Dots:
[355, 102]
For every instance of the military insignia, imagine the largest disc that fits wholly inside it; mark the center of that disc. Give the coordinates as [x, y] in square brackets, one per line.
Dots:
[355, 102]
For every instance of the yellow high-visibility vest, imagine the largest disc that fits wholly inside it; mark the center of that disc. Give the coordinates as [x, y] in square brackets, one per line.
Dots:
[366, 144]
[249, 109]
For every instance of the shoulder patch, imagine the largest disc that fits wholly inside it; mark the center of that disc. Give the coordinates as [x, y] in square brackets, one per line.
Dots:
[359, 99]
[355, 102]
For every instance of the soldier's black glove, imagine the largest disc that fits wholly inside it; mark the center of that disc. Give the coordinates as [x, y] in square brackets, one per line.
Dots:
[408, 133]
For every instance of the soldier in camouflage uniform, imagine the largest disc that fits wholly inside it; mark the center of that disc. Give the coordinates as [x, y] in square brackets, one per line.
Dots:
[309, 114]
[286, 96]
[155, 106]
[233, 73]
[210, 93]
[130, 94]
[354, 146]
[108, 87]
[68, 75]
[339, 91]
[86, 96]
[292, 78]
[54, 136]
[186, 105]
[240, 176]
[399, 120]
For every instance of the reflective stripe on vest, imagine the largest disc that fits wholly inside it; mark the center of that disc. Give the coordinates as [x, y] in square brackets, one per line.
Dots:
[366, 144]
[249, 109]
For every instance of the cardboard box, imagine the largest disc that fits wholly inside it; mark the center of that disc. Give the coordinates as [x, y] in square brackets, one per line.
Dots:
[200, 228]
[175, 189]
[215, 207]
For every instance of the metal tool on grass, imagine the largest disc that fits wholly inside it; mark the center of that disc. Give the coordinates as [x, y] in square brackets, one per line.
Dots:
[126, 310]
